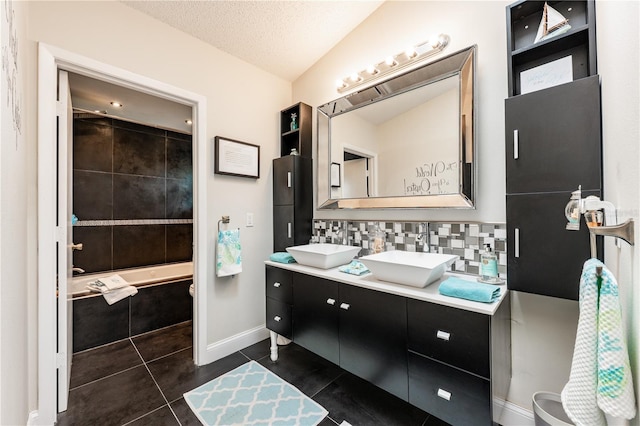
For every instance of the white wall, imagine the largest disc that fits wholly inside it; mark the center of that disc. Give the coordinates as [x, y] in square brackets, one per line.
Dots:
[543, 328]
[243, 103]
[619, 65]
[14, 335]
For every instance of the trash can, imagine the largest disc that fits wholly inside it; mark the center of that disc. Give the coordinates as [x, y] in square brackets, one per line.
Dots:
[548, 411]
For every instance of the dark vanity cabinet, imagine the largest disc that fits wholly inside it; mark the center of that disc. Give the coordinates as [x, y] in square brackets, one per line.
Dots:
[363, 331]
[450, 362]
[553, 145]
[292, 201]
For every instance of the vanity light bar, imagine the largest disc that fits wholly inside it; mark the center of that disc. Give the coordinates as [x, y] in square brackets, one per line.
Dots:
[394, 63]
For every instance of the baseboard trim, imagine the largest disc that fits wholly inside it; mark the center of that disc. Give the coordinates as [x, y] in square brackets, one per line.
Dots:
[32, 420]
[232, 344]
[512, 414]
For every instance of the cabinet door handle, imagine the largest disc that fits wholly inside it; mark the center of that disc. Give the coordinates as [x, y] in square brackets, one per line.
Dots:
[444, 394]
[344, 306]
[288, 229]
[331, 301]
[516, 242]
[443, 335]
[277, 318]
[516, 145]
[288, 179]
[276, 284]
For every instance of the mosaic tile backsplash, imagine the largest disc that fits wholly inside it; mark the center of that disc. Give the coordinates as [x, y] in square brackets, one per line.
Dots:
[467, 240]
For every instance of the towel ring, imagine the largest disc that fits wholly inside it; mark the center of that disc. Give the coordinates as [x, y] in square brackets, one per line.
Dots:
[225, 220]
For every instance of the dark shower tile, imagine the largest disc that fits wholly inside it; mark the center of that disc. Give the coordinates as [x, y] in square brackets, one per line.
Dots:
[92, 145]
[159, 306]
[180, 243]
[138, 153]
[179, 159]
[182, 136]
[164, 341]
[92, 195]
[104, 361]
[177, 374]
[128, 125]
[96, 323]
[184, 413]
[96, 254]
[138, 245]
[114, 400]
[358, 402]
[303, 369]
[138, 197]
[179, 199]
[162, 416]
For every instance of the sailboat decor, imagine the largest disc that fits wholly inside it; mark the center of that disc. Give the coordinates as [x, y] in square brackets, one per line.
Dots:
[551, 24]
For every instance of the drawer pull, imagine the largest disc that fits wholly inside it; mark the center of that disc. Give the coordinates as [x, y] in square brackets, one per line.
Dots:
[277, 318]
[443, 335]
[444, 394]
[344, 306]
[516, 145]
[288, 179]
[331, 301]
[288, 229]
[276, 284]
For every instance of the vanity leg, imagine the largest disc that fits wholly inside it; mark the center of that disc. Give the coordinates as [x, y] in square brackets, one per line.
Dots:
[274, 345]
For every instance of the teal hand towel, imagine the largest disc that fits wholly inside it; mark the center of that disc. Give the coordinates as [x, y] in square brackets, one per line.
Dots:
[464, 289]
[355, 268]
[282, 257]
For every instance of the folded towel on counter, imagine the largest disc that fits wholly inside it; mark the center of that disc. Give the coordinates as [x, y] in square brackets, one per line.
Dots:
[118, 294]
[355, 268]
[600, 380]
[470, 290]
[282, 257]
[229, 253]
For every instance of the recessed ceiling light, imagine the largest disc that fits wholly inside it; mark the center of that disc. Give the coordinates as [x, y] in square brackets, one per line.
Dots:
[189, 122]
[98, 111]
[116, 104]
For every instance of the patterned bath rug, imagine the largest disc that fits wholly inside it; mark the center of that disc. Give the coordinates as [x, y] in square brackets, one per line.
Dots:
[253, 395]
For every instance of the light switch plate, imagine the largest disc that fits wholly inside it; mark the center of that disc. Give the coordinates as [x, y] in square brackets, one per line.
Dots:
[249, 220]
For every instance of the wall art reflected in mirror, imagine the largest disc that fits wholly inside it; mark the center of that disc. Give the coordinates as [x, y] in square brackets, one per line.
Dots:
[405, 142]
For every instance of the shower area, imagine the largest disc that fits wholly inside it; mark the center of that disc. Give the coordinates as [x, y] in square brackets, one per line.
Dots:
[133, 208]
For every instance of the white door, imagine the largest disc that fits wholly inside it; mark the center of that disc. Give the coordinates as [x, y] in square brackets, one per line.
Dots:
[356, 178]
[65, 236]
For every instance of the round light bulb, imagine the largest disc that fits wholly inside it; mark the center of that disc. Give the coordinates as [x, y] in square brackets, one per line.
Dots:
[354, 77]
[189, 122]
[116, 104]
[371, 69]
[340, 84]
[410, 52]
[390, 61]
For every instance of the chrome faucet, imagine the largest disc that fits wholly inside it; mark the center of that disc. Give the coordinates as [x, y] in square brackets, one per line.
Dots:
[342, 233]
[78, 270]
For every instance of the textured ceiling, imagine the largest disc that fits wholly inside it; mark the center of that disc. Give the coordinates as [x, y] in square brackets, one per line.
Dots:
[284, 38]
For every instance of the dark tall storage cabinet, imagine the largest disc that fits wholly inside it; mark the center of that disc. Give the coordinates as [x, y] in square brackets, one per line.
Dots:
[293, 181]
[553, 145]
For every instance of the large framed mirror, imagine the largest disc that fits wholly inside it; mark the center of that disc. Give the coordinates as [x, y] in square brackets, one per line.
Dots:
[405, 142]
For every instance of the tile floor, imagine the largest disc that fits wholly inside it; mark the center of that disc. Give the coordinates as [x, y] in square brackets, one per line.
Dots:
[140, 381]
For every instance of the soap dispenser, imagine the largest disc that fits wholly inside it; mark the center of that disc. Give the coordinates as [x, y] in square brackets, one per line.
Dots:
[489, 267]
[376, 240]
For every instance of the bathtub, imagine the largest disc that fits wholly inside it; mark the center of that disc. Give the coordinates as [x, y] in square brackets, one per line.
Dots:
[137, 277]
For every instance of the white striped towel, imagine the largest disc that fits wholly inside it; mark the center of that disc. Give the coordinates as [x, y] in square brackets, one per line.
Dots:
[600, 380]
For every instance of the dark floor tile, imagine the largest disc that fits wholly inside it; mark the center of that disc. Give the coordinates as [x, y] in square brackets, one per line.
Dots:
[114, 400]
[303, 369]
[101, 362]
[258, 350]
[434, 421]
[185, 413]
[162, 416]
[177, 374]
[361, 403]
[165, 341]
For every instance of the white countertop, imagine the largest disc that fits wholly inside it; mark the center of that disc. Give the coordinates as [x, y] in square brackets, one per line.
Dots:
[429, 293]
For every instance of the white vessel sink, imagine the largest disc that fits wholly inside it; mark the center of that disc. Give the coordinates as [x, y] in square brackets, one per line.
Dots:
[323, 255]
[416, 269]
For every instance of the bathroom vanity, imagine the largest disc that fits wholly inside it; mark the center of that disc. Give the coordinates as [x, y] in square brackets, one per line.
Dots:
[450, 357]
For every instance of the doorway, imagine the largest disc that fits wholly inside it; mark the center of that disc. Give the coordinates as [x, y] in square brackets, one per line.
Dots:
[52, 232]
